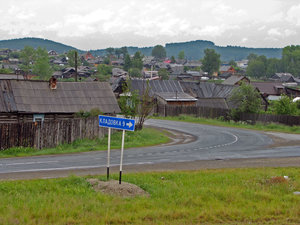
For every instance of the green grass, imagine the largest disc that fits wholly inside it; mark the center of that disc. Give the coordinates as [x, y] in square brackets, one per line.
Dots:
[142, 138]
[216, 122]
[228, 196]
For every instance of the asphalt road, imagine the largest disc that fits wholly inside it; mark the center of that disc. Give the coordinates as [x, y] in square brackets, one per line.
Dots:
[202, 143]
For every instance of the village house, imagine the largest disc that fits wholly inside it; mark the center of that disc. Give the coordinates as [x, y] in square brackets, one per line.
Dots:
[210, 95]
[87, 56]
[236, 80]
[52, 53]
[25, 101]
[227, 69]
[165, 92]
[270, 90]
[283, 77]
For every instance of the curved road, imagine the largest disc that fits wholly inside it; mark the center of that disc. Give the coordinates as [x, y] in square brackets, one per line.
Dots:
[211, 143]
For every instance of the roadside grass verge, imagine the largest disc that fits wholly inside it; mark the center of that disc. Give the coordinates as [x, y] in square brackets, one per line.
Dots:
[222, 196]
[142, 138]
[217, 122]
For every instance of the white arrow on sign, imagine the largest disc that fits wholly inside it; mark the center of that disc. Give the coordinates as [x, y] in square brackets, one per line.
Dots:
[129, 124]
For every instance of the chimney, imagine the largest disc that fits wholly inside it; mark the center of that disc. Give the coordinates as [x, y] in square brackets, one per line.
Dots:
[52, 83]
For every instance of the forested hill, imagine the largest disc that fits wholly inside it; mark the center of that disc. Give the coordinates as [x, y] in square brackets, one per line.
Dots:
[35, 43]
[193, 49]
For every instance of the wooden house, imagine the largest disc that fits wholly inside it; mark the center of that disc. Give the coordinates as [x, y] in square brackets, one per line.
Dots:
[167, 92]
[26, 100]
[236, 80]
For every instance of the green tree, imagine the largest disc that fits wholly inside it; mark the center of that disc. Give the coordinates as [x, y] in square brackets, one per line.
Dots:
[274, 65]
[124, 51]
[110, 51]
[211, 61]
[118, 52]
[232, 63]
[252, 56]
[146, 105]
[27, 56]
[164, 74]
[42, 66]
[181, 55]
[129, 101]
[173, 59]
[127, 63]
[103, 72]
[71, 58]
[159, 52]
[256, 68]
[137, 60]
[247, 98]
[135, 72]
[291, 59]
[104, 69]
[106, 60]
[285, 106]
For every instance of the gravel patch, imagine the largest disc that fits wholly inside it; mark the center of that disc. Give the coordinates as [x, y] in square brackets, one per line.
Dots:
[113, 187]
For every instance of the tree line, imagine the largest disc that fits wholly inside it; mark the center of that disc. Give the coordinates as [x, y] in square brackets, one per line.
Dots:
[261, 66]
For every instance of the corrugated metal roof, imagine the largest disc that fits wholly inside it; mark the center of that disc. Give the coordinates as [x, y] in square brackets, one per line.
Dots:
[207, 90]
[156, 86]
[171, 96]
[69, 97]
[268, 88]
[233, 79]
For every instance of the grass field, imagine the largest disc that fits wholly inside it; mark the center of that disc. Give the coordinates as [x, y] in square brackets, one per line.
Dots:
[216, 122]
[132, 139]
[223, 196]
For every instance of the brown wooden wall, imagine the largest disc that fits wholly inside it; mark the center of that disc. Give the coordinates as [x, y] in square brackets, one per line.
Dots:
[48, 134]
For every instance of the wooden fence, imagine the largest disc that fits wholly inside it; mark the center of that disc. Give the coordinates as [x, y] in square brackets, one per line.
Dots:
[48, 134]
[198, 111]
[268, 118]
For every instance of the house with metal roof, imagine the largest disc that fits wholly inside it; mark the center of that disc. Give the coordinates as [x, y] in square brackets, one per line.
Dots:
[25, 100]
[165, 91]
[236, 80]
[210, 94]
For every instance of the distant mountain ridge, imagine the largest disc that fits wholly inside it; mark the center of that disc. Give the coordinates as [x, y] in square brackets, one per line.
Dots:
[20, 43]
[194, 50]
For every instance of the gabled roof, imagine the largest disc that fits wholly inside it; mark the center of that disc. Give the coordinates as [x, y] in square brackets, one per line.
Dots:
[156, 86]
[225, 68]
[234, 79]
[68, 97]
[207, 90]
[283, 77]
[268, 88]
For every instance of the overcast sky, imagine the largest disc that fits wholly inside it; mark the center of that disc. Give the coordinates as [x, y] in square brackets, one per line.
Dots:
[97, 24]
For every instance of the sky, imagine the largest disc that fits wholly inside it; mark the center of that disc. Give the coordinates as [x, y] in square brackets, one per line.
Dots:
[99, 24]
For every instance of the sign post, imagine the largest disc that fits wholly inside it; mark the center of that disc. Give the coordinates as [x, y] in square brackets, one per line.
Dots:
[116, 123]
[108, 153]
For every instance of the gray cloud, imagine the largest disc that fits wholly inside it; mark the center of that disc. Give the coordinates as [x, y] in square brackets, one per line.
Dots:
[98, 24]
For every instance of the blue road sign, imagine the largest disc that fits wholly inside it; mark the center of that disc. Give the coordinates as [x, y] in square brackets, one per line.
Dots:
[116, 123]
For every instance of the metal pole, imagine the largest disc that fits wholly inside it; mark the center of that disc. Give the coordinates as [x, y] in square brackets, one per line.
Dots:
[121, 161]
[108, 152]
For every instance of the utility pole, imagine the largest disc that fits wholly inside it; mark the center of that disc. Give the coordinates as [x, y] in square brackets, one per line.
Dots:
[76, 66]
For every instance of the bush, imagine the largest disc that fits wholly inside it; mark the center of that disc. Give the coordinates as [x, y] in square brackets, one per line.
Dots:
[285, 106]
